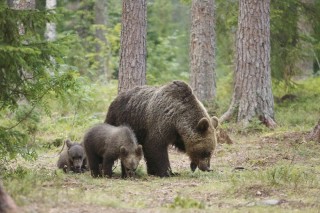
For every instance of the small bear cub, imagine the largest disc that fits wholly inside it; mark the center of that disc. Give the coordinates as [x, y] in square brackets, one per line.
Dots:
[105, 143]
[73, 158]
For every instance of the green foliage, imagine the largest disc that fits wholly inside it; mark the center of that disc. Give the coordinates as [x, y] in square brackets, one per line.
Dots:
[167, 44]
[303, 111]
[87, 50]
[312, 13]
[163, 64]
[285, 39]
[75, 111]
[28, 118]
[13, 142]
[31, 68]
[226, 27]
[23, 180]
[186, 203]
[114, 45]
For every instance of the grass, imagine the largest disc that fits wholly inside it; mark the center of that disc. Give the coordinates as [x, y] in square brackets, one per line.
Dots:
[263, 171]
[294, 181]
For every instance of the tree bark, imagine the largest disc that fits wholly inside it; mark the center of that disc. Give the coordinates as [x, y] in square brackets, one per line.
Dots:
[202, 49]
[132, 69]
[252, 95]
[22, 5]
[100, 8]
[50, 33]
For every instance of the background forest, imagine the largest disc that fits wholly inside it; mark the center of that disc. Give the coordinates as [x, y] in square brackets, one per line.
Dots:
[69, 82]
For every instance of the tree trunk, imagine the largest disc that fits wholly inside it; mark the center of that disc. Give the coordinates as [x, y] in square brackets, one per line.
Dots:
[132, 69]
[50, 33]
[252, 94]
[22, 5]
[202, 49]
[101, 22]
[314, 135]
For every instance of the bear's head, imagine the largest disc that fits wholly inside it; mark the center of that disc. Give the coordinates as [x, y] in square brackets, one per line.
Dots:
[76, 155]
[130, 159]
[201, 148]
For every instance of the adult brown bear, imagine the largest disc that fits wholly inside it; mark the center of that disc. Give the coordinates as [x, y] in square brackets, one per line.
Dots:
[160, 116]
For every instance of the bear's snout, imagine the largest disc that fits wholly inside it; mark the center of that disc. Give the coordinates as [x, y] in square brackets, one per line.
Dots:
[204, 165]
[131, 173]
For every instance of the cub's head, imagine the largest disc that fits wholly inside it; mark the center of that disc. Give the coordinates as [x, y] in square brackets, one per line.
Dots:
[76, 155]
[201, 148]
[130, 159]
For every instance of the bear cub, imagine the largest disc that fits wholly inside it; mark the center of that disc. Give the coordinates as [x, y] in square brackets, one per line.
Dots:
[73, 158]
[105, 143]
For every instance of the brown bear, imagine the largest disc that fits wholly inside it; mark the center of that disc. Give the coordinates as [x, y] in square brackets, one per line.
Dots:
[170, 114]
[73, 158]
[105, 143]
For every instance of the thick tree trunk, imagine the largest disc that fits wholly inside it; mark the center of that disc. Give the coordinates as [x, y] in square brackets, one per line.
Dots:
[101, 21]
[202, 49]
[50, 33]
[314, 135]
[252, 96]
[132, 69]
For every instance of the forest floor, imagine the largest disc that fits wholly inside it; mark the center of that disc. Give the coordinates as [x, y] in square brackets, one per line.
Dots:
[265, 172]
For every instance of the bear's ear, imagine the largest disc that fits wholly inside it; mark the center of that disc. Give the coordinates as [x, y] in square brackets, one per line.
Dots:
[203, 125]
[68, 143]
[123, 151]
[139, 150]
[215, 121]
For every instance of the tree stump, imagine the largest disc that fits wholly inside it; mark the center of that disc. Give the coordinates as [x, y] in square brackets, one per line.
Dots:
[314, 135]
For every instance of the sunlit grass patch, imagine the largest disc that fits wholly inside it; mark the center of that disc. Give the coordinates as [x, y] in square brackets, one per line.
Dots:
[284, 177]
[302, 112]
[26, 184]
[186, 203]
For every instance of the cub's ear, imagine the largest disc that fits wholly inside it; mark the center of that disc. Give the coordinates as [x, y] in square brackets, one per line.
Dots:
[139, 150]
[123, 151]
[215, 121]
[203, 125]
[68, 143]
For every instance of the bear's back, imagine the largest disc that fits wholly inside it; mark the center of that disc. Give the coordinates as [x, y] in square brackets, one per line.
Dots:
[108, 135]
[129, 107]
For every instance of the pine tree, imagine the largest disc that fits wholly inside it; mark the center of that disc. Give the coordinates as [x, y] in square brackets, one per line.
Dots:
[132, 69]
[202, 50]
[252, 96]
[27, 71]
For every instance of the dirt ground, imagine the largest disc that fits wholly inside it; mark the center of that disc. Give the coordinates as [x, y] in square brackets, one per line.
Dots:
[188, 192]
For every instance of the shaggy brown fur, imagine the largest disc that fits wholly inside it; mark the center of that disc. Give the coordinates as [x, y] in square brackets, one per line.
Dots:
[7, 205]
[73, 158]
[165, 115]
[105, 143]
